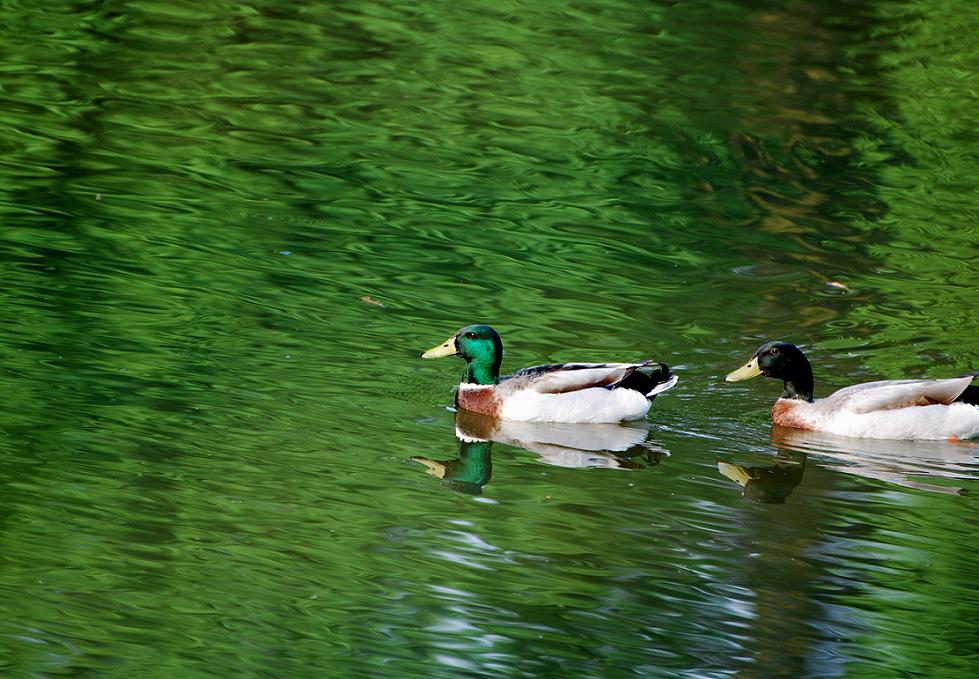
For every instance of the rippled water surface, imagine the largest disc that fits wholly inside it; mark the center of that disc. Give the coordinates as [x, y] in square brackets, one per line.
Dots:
[227, 230]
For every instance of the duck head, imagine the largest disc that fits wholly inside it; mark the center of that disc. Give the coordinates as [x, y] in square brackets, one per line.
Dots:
[783, 361]
[480, 346]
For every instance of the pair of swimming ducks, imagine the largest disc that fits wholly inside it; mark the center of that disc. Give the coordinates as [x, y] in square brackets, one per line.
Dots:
[615, 392]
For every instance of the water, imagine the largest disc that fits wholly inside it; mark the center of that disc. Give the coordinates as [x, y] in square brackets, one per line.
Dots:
[228, 231]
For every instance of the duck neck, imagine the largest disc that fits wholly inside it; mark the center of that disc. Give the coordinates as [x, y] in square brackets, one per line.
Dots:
[472, 470]
[799, 387]
[482, 371]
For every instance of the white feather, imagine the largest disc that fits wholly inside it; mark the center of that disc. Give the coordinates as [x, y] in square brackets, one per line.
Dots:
[564, 380]
[663, 386]
[594, 405]
[887, 394]
[958, 420]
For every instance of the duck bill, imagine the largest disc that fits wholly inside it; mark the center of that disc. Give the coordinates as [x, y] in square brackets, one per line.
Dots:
[734, 472]
[446, 348]
[433, 467]
[745, 372]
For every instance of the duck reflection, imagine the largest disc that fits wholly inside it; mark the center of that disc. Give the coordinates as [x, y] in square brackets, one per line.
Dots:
[617, 446]
[568, 445]
[469, 472]
[769, 484]
[904, 463]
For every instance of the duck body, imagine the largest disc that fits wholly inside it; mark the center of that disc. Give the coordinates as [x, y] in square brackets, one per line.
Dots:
[900, 409]
[564, 392]
[887, 409]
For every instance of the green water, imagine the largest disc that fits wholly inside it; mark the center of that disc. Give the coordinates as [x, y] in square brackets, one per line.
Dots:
[228, 230]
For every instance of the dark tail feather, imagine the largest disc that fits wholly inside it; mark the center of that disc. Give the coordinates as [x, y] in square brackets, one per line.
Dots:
[645, 380]
[970, 395]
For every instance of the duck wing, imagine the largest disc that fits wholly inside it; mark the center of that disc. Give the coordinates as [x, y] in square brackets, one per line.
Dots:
[560, 378]
[892, 394]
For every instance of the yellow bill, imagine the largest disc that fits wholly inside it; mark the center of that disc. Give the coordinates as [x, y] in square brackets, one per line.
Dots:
[433, 467]
[447, 348]
[735, 473]
[745, 372]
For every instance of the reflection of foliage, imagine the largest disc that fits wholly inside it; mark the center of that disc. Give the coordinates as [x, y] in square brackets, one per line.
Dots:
[197, 195]
[926, 153]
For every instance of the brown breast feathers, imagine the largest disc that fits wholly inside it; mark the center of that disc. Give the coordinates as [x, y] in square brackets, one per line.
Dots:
[482, 401]
[785, 412]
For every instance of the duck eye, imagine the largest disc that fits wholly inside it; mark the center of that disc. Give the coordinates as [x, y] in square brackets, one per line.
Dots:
[470, 335]
[774, 351]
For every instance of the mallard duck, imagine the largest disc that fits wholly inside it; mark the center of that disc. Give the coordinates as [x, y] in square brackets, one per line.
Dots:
[565, 392]
[889, 409]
